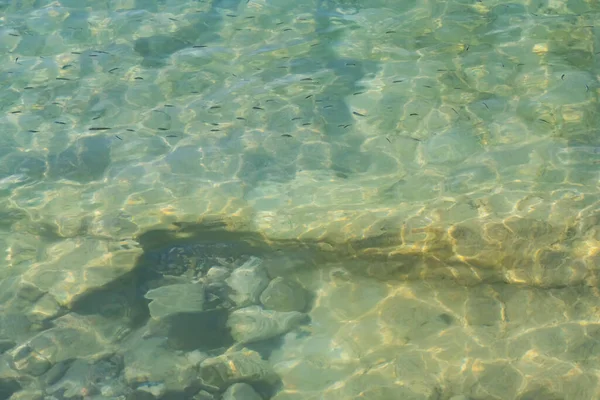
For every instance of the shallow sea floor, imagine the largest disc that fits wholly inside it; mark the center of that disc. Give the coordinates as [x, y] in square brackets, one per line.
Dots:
[299, 200]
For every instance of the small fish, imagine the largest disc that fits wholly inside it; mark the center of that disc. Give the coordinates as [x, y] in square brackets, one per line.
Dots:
[163, 129]
[113, 69]
[357, 93]
[99, 129]
[240, 118]
[308, 97]
[62, 79]
[296, 118]
[200, 46]
[28, 87]
[130, 130]
[60, 122]
[486, 106]
[14, 34]
[171, 136]
[306, 79]
[139, 78]
[15, 112]
[75, 52]
[357, 113]
[214, 107]
[562, 77]
[32, 131]
[398, 81]
[413, 114]
[257, 108]
[118, 137]
[391, 32]
[286, 135]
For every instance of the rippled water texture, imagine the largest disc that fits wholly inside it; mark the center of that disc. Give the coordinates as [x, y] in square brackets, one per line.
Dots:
[308, 199]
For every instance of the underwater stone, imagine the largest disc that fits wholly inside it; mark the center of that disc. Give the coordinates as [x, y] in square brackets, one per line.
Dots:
[150, 363]
[241, 391]
[157, 390]
[284, 295]
[56, 373]
[175, 299]
[252, 323]
[248, 282]
[102, 375]
[240, 366]
[25, 359]
[217, 274]
[203, 395]
[55, 345]
[80, 267]
[26, 395]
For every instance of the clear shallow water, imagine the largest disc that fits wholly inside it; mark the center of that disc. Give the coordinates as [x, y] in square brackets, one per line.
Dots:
[426, 173]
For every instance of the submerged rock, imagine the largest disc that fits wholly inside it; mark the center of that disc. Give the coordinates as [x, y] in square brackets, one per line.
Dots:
[247, 282]
[217, 274]
[189, 331]
[252, 323]
[203, 395]
[241, 391]
[152, 367]
[82, 376]
[80, 267]
[32, 394]
[240, 366]
[284, 295]
[175, 299]
[71, 338]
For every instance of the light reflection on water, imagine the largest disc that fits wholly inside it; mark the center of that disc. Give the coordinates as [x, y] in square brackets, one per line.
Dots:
[420, 180]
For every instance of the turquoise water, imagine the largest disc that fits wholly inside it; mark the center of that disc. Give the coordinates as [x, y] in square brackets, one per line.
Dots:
[299, 200]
